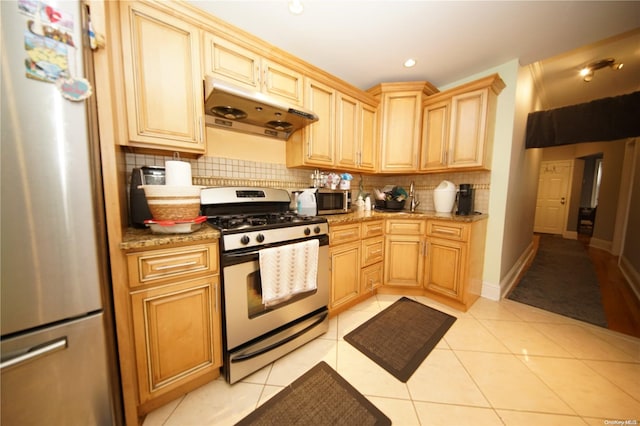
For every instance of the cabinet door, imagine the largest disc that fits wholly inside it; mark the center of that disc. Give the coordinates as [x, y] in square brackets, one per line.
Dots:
[400, 131]
[435, 136]
[161, 59]
[403, 260]
[444, 267]
[177, 332]
[347, 133]
[468, 129]
[345, 273]
[371, 277]
[282, 82]
[320, 136]
[368, 138]
[230, 62]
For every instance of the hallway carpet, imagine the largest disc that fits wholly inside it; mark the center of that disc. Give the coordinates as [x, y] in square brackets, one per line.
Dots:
[562, 279]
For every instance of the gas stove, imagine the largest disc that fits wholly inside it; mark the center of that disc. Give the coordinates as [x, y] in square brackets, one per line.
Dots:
[250, 217]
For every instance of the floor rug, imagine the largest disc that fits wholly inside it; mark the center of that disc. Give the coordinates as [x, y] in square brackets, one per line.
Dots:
[563, 280]
[319, 397]
[400, 337]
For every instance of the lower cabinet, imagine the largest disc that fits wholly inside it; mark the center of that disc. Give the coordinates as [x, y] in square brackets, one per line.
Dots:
[345, 273]
[176, 321]
[440, 259]
[454, 261]
[371, 276]
[444, 267]
[177, 334]
[404, 252]
[356, 251]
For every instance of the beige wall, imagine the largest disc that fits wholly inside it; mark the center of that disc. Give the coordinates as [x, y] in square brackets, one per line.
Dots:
[630, 257]
[227, 144]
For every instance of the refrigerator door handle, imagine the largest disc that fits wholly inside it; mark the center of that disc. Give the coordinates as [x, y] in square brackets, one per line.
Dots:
[34, 353]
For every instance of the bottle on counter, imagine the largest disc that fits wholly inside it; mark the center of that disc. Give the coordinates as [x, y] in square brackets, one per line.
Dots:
[360, 203]
[367, 203]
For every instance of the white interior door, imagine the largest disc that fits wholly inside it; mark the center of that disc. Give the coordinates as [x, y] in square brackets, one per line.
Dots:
[553, 194]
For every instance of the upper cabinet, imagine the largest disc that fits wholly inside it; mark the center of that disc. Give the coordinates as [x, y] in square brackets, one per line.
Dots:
[458, 126]
[400, 123]
[232, 63]
[356, 134]
[162, 80]
[320, 136]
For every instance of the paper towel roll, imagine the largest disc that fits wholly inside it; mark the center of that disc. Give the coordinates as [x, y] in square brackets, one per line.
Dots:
[177, 173]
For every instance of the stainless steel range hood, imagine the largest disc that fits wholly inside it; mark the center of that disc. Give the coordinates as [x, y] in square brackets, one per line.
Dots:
[234, 108]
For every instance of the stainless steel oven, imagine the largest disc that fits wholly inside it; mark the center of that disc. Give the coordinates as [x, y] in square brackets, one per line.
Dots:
[256, 334]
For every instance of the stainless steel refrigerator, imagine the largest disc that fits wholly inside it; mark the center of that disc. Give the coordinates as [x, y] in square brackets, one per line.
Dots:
[57, 345]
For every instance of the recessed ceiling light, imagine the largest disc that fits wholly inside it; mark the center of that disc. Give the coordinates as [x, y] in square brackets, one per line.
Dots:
[409, 63]
[295, 7]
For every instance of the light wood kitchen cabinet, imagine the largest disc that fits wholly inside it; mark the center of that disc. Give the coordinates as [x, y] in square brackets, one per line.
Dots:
[404, 252]
[458, 126]
[372, 264]
[435, 135]
[162, 80]
[400, 124]
[454, 261]
[175, 320]
[355, 134]
[344, 250]
[230, 62]
[314, 145]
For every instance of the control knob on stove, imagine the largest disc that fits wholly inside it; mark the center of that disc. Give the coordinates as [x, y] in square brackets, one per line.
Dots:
[244, 240]
[307, 231]
[316, 229]
[259, 238]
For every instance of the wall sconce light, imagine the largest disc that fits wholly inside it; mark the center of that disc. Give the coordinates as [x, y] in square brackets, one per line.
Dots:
[587, 72]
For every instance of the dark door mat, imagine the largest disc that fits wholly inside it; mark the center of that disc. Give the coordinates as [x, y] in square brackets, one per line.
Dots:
[563, 280]
[400, 337]
[319, 397]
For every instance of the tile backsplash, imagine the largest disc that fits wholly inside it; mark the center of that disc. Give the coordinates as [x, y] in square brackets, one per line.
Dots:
[217, 171]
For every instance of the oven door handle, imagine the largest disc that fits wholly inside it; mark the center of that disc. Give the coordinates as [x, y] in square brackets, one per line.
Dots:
[245, 356]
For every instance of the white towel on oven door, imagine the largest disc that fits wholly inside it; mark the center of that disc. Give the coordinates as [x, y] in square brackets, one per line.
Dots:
[288, 270]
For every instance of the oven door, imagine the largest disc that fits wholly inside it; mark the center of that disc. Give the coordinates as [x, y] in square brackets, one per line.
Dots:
[246, 318]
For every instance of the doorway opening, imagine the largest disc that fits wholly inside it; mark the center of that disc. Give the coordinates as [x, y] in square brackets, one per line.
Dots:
[590, 191]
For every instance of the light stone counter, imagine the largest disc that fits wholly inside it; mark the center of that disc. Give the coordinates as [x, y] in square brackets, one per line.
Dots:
[402, 214]
[144, 239]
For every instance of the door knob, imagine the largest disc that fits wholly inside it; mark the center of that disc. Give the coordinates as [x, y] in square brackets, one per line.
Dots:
[562, 200]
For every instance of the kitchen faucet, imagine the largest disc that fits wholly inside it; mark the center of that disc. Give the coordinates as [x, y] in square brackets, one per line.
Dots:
[412, 199]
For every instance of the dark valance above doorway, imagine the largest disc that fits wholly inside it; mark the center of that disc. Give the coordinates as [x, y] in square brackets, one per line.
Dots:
[601, 120]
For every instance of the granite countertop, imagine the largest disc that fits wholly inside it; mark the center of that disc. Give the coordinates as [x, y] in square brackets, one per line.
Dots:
[135, 238]
[360, 216]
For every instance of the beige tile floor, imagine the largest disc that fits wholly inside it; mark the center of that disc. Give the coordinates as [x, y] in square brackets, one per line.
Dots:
[500, 363]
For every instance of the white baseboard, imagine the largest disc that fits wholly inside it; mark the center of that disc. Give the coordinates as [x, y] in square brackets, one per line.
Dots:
[601, 244]
[494, 291]
[570, 235]
[631, 275]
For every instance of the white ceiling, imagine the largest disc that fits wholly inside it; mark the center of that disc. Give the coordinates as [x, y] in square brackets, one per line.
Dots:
[365, 42]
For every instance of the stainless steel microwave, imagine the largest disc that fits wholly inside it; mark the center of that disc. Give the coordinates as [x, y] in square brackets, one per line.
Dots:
[328, 201]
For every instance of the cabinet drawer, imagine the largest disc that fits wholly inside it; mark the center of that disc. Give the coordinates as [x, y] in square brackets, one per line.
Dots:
[371, 277]
[344, 233]
[448, 230]
[405, 227]
[372, 229]
[156, 265]
[372, 250]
